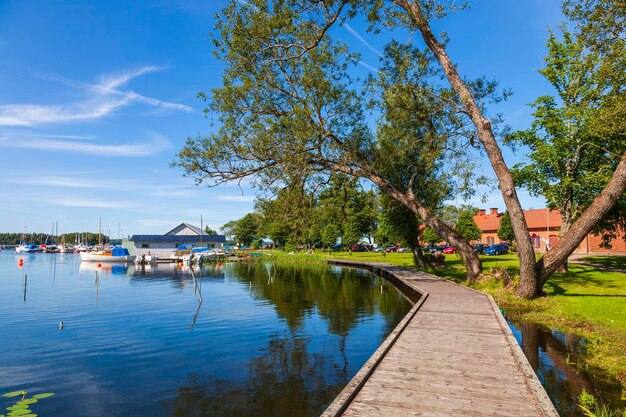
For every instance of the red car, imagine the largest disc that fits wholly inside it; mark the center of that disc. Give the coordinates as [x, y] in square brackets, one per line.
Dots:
[449, 250]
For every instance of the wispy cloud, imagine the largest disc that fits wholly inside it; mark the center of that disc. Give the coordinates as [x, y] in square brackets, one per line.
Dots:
[158, 144]
[63, 182]
[236, 198]
[368, 66]
[103, 99]
[76, 202]
[363, 41]
[38, 135]
[178, 193]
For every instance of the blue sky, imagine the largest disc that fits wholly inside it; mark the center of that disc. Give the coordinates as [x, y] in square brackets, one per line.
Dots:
[97, 97]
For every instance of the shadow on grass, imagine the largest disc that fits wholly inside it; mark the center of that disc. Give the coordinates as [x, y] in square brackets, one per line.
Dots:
[558, 290]
[610, 261]
[582, 276]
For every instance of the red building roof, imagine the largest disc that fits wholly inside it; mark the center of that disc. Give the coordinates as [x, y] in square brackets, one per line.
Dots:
[535, 219]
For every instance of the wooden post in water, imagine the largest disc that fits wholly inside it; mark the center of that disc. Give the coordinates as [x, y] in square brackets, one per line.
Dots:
[25, 284]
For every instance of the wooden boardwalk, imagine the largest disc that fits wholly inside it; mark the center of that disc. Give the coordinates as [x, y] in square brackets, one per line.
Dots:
[452, 355]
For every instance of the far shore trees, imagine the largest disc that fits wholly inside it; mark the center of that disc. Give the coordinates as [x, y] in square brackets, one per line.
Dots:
[289, 105]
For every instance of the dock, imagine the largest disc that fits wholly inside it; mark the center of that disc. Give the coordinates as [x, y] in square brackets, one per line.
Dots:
[453, 354]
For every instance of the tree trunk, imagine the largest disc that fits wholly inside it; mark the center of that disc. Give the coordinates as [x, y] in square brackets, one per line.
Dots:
[418, 257]
[602, 204]
[465, 251]
[529, 284]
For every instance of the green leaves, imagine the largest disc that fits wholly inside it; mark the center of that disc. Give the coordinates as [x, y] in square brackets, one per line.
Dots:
[14, 393]
[45, 395]
[22, 407]
[574, 146]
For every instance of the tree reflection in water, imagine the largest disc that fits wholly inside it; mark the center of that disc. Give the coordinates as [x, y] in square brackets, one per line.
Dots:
[284, 381]
[552, 354]
[286, 378]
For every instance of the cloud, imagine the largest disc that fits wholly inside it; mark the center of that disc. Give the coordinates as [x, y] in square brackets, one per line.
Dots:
[363, 41]
[237, 198]
[368, 66]
[158, 144]
[37, 135]
[175, 193]
[56, 181]
[75, 202]
[103, 99]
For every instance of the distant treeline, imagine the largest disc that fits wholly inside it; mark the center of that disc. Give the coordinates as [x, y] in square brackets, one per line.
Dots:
[40, 238]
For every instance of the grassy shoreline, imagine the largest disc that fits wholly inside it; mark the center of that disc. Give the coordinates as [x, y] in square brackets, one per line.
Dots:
[584, 301]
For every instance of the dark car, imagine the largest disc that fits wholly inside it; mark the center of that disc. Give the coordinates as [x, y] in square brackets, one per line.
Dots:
[432, 249]
[361, 248]
[499, 249]
[480, 247]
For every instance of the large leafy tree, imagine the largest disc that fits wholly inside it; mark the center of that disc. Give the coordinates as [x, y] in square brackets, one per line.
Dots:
[430, 236]
[287, 105]
[570, 161]
[338, 209]
[467, 227]
[400, 225]
[345, 207]
[505, 231]
[246, 230]
[287, 218]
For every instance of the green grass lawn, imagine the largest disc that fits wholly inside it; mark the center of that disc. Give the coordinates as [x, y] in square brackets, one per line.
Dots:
[612, 261]
[585, 301]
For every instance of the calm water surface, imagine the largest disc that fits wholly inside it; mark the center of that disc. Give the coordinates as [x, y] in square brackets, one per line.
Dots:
[553, 355]
[244, 341]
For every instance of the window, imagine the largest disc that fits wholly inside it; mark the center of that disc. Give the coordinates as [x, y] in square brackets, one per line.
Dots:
[536, 241]
[145, 245]
[490, 241]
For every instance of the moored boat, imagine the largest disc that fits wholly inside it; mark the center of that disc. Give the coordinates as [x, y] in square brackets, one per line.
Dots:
[108, 255]
[26, 248]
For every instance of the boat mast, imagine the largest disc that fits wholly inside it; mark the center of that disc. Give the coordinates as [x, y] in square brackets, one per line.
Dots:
[201, 230]
[100, 233]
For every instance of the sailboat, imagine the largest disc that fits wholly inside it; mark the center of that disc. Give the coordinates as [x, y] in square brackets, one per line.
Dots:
[24, 247]
[116, 254]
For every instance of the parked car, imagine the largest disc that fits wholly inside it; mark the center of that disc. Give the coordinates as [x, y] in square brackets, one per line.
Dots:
[499, 249]
[361, 248]
[432, 249]
[480, 247]
[392, 248]
[403, 250]
[449, 250]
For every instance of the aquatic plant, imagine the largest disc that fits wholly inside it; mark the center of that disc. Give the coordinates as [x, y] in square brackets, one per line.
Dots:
[22, 407]
[593, 408]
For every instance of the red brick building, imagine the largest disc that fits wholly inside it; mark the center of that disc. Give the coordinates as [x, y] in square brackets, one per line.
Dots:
[544, 226]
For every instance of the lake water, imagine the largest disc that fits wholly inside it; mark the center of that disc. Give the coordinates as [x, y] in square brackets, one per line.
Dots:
[554, 356]
[240, 340]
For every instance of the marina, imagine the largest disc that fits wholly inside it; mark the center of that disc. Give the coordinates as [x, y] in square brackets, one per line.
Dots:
[164, 339]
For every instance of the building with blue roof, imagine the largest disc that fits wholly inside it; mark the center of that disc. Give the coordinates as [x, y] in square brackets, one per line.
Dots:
[163, 245]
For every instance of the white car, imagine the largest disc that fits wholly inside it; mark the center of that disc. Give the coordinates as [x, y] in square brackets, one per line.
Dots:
[403, 250]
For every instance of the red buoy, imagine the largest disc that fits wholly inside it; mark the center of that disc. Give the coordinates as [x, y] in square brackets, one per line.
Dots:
[99, 265]
[219, 264]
